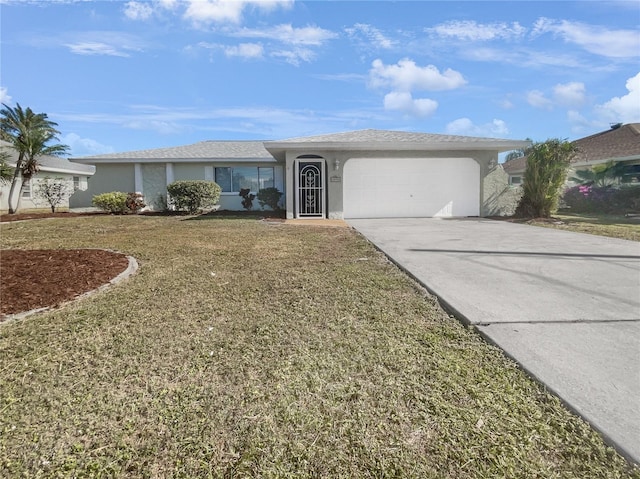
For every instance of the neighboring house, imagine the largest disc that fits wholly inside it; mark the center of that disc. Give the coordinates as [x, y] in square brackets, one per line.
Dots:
[620, 144]
[357, 174]
[50, 166]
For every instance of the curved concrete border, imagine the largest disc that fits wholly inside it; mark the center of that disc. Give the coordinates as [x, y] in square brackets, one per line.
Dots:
[131, 268]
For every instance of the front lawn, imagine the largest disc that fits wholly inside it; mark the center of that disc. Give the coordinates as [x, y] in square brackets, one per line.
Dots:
[597, 224]
[242, 349]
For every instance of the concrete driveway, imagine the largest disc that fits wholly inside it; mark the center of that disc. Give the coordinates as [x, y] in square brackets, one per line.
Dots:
[564, 305]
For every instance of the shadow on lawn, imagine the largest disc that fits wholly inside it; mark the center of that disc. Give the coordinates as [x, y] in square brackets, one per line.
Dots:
[237, 215]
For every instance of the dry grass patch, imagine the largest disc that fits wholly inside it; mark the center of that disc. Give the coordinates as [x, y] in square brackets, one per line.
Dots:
[624, 227]
[247, 350]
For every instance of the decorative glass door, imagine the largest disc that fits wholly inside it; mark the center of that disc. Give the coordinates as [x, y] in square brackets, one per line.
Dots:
[310, 197]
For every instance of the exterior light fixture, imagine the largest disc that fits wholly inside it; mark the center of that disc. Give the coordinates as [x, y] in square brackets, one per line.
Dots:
[336, 164]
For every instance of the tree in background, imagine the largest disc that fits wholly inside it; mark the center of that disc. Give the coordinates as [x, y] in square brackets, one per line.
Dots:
[6, 172]
[54, 191]
[601, 176]
[519, 153]
[546, 172]
[30, 134]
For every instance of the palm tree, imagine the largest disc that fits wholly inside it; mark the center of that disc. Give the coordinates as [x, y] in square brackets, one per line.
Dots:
[29, 134]
[6, 172]
[602, 176]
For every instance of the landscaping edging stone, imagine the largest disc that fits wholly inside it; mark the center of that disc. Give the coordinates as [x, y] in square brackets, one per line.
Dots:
[130, 270]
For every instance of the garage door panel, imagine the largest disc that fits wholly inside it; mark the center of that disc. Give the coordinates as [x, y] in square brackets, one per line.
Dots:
[411, 187]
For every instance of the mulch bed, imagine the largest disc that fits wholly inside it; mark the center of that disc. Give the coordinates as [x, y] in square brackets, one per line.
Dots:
[33, 279]
[35, 216]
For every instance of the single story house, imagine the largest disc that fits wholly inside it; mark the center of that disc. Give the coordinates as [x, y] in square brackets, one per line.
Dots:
[620, 144]
[356, 174]
[50, 166]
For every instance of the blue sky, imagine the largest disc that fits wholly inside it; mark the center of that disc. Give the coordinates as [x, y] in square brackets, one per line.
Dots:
[128, 75]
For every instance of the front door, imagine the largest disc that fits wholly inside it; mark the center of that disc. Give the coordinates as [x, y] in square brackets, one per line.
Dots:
[311, 193]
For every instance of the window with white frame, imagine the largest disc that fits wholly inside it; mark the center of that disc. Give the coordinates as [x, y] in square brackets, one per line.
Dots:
[76, 183]
[26, 188]
[234, 179]
[515, 180]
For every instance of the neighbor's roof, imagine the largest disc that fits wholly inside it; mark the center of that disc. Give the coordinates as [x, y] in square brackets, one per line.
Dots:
[517, 165]
[51, 164]
[614, 144]
[197, 152]
[392, 140]
[617, 143]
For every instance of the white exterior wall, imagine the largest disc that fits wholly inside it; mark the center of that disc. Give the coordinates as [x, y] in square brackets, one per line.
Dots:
[33, 202]
[487, 161]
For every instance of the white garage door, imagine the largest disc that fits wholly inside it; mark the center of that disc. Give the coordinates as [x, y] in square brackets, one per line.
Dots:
[411, 187]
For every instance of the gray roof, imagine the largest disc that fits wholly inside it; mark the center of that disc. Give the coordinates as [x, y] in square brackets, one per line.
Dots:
[268, 151]
[388, 140]
[201, 151]
[387, 136]
[52, 164]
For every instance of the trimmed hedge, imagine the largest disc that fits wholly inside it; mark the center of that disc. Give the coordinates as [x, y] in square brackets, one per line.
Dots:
[194, 196]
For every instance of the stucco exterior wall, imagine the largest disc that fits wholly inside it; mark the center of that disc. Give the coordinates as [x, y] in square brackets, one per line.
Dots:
[107, 178]
[154, 185]
[500, 198]
[486, 159]
[33, 202]
[151, 180]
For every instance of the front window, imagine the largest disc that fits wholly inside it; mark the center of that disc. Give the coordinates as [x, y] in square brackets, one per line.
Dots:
[76, 183]
[232, 180]
[26, 189]
[516, 180]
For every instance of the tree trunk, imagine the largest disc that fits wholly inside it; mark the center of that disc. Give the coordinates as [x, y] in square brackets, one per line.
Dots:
[13, 208]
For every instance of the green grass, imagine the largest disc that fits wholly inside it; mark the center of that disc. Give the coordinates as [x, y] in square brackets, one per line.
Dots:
[604, 225]
[242, 349]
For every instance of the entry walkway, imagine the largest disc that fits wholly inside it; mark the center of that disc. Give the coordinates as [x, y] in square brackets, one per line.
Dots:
[564, 305]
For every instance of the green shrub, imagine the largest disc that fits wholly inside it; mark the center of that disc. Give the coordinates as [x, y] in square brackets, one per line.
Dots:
[194, 196]
[611, 200]
[119, 203]
[270, 197]
[114, 202]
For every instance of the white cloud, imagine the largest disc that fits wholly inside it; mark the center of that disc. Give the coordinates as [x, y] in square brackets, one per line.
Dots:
[469, 30]
[286, 33]
[405, 103]
[407, 76]
[624, 108]
[537, 99]
[245, 50]
[570, 94]
[464, 126]
[295, 56]
[137, 10]
[162, 127]
[4, 95]
[594, 39]
[95, 48]
[506, 104]
[108, 43]
[84, 146]
[374, 36]
[218, 11]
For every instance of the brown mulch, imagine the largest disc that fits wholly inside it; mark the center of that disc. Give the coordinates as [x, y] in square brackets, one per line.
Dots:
[32, 279]
[4, 218]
